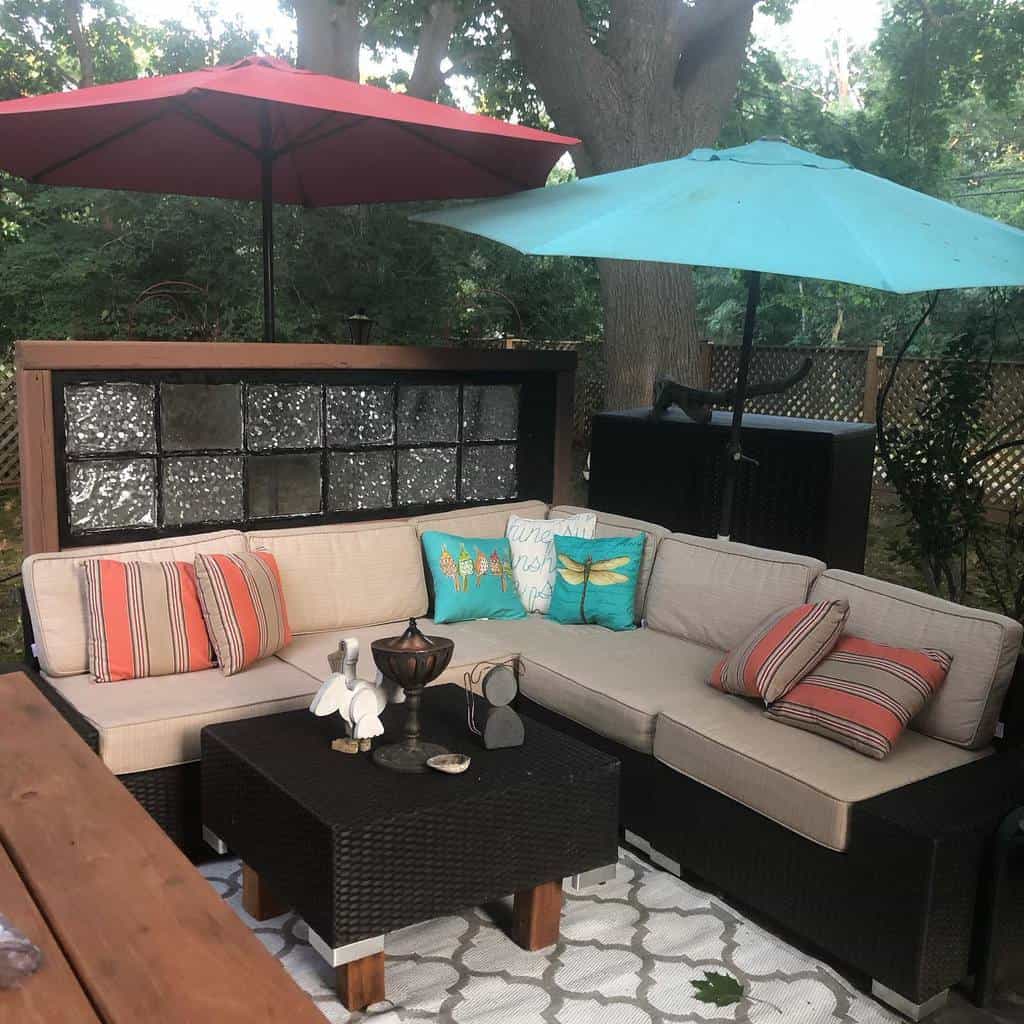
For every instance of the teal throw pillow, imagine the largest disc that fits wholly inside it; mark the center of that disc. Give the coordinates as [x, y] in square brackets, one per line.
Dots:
[472, 578]
[596, 579]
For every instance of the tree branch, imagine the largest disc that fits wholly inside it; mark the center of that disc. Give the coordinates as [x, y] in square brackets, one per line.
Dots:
[581, 87]
[439, 22]
[73, 13]
[883, 446]
[712, 41]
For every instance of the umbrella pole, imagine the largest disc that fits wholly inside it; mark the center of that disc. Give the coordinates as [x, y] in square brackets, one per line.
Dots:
[267, 189]
[734, 449]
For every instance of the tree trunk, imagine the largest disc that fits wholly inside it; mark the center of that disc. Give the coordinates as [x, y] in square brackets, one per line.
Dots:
[660, 89]
[86, 63]
[650, 329]
[329, 37]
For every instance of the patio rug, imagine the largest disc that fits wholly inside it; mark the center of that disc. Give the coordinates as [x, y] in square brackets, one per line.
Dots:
[629, 952]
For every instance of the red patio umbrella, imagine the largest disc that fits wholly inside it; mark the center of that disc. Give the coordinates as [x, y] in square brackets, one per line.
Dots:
[262, 129]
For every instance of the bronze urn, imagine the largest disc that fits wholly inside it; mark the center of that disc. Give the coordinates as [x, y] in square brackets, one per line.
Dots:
[411, 661]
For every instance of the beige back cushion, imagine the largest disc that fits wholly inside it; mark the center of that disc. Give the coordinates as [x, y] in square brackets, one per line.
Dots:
[716, 592]
[609, 525]
[485, 521]
[56, 596]
[349, 574]
[984, 647]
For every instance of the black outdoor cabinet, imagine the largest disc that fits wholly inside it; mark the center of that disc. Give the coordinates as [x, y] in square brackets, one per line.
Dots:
[809, 492]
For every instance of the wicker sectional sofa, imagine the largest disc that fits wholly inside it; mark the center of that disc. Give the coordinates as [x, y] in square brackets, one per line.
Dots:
[877, 863]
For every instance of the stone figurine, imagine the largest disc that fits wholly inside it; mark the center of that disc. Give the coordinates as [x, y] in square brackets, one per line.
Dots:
[358, 701]
[697, 403]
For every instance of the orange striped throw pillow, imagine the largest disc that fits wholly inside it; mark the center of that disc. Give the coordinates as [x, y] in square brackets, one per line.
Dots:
[783, 649]
[243, 606]
[144, 620]
[864, 694]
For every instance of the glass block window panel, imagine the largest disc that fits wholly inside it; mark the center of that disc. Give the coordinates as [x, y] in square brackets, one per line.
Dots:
[428, 413]
[360, 480]
[488, 472]
[283, 485]
[490, 412]
[201, 489]
[200, 417]
[359, 416]
[105, 418]
[111, 494]
[426, 476]
[283, 416]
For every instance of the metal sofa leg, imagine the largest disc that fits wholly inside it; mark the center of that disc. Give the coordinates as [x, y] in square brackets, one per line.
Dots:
[655, 856]
[212, 839]
[587, 879]
[915, 1011]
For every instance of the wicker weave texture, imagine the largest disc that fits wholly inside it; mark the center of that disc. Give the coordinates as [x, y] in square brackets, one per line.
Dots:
[897, 906]
[359, 851]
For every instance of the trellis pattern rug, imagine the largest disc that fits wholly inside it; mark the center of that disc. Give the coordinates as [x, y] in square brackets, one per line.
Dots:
[629, 953]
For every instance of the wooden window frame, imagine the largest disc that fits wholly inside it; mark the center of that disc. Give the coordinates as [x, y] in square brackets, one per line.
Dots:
[43, 366]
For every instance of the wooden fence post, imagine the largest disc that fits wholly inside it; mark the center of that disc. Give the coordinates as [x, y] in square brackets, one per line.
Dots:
[872, 382]
[705, 353]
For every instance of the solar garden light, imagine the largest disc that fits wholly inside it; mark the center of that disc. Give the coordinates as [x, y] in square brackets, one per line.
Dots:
[360, 326]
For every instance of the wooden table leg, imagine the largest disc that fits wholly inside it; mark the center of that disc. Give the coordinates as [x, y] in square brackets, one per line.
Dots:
[361, 982]
[536, 915]
[257, 900]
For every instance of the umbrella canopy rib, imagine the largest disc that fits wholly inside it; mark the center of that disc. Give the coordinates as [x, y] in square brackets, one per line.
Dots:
[765, 207]
[39, 177]
[260, 129]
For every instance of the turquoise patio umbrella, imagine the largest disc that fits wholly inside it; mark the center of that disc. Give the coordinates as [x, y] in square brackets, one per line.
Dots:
[766, 207]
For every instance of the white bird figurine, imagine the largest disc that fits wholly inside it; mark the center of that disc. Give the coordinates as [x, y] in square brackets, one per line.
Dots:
[358, 701]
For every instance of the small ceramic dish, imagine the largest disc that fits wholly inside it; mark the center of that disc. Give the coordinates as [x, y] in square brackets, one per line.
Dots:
[450, 764]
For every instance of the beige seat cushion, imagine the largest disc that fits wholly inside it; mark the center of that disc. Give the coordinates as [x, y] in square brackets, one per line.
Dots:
[984, 647]
[472, 645]
[614, 683]
[609, 525]
[716, 593]
[485, 521]
[152, 723]
[347, 574]
[802, 781]
[55, 590]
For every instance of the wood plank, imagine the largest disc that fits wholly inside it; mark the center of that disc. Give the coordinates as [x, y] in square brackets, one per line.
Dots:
[38, 473]
[213, 355]
[145, 933]
[563, 469]
[536, 915]
[361, 982]
[52, 994]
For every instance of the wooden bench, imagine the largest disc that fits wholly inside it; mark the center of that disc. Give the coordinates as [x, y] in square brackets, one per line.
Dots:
[130, 930]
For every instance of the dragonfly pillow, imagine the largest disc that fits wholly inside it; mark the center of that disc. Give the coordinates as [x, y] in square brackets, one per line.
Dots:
[595, 580]
[533, 553]
[472, 577]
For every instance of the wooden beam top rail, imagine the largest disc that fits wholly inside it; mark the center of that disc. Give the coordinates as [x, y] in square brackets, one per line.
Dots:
[218, 355]
[146, 935]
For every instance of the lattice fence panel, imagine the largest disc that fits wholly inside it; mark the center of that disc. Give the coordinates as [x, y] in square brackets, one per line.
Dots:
[590, 379]
[833, 390]
[1003, 473]
[8, 427]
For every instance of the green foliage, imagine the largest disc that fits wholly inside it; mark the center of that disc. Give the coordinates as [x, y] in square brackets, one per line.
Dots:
[931, 464]
[942, 103]
[718, 989]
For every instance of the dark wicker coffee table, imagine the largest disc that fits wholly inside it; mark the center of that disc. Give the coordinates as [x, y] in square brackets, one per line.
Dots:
[359, 851]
